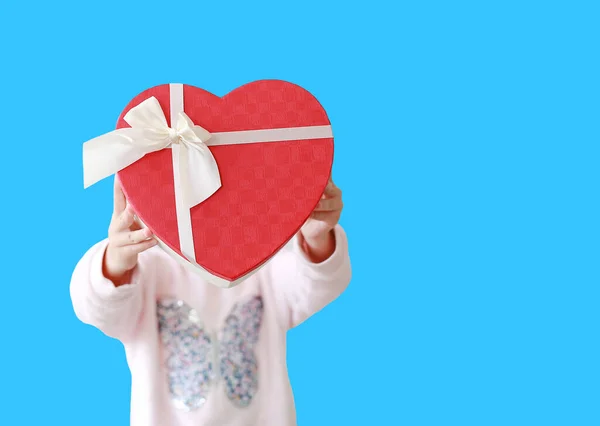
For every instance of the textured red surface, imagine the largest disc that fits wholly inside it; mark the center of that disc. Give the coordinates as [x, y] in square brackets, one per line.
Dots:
[268, 189]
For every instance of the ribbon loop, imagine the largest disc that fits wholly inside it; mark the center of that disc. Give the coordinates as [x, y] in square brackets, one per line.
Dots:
[149, 132]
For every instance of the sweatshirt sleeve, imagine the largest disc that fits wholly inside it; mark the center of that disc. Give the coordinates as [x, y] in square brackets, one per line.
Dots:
[115, 311]
[301, 288]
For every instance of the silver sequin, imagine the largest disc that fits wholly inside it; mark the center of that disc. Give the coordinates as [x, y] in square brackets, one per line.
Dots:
[191, 354]
[188, 353]
[239, 367]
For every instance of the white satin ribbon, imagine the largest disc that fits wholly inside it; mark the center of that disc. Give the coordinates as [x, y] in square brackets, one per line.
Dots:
[195, 172]
[107, 154]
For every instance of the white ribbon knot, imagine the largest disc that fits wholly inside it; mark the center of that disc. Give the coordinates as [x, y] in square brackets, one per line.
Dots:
[198, 172]
[174, 135]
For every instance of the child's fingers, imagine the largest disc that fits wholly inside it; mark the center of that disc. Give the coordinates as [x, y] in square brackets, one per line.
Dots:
[124, 220]
[131, 237]
[135, 226]
[135, 249]
[120, 203]
[331, 190]
[329, 205]
[327, 217]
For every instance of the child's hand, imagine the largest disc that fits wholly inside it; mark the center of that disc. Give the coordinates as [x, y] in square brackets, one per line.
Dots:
[318, 238]
[125, 240]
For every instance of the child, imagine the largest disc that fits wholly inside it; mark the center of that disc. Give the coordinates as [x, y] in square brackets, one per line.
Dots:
[199, 354]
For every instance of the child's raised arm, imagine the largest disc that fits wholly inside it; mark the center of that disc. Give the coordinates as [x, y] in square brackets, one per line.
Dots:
[105, 288]
[315, 267]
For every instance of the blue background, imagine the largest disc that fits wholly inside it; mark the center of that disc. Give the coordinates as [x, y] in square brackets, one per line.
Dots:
[467, 149]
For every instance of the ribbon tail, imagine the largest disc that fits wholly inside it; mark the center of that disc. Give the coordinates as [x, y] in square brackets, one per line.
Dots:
[200, 175]
[107, 154]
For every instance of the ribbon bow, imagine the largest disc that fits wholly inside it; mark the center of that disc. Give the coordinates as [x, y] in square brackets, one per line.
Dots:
[198, 171]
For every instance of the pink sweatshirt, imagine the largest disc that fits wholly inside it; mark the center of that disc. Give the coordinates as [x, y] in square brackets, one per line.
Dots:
[200, 355]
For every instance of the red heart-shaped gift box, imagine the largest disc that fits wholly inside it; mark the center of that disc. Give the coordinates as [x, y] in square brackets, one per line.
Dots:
[268, 189]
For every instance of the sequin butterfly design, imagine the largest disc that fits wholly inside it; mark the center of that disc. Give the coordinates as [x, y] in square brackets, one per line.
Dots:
[196, 359]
